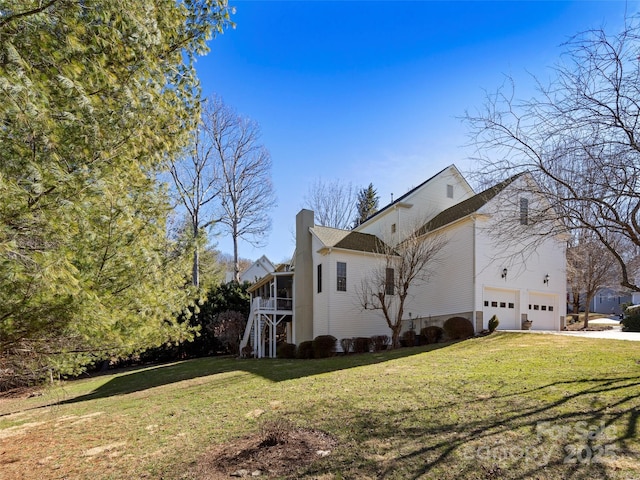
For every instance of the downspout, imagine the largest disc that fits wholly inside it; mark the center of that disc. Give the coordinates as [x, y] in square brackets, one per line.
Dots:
[475, 279]
[329, 294]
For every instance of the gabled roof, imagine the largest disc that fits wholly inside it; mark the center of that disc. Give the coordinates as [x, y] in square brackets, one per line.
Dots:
[466, 207]
[349, 240]
[400, 200]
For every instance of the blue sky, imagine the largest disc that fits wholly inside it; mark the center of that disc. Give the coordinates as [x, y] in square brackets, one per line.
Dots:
[374, 91]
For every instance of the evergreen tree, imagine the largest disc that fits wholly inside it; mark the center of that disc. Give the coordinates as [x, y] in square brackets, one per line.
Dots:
[94, 98]
[367, 204]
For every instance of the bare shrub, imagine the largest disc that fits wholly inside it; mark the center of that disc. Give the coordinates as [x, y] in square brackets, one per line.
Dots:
[432, 334]
[228, 328]
[380, 342]
[361, 344]
[347, 345]
[275, 431]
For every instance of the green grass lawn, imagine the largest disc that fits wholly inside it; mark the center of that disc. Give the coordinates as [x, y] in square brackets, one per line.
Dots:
[503, 406]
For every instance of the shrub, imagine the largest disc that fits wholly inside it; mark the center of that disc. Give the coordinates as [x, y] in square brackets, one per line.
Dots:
[275, 432]
[631, 320]
[347, 345]
[432, 334]
[228, 328]
[493, 323]
[247, 351]
[324, 346]
[286, 350]
[458, 328]
[379, 342]
[305, 350]
[361, 344]
[408, 338]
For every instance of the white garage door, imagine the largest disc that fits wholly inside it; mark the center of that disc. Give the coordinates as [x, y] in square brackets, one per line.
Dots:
[503, 304]
[543, 311]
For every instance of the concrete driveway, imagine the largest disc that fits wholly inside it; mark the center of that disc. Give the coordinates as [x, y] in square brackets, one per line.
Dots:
[615, 333]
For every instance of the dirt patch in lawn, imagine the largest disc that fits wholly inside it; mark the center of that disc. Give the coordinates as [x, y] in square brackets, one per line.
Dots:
[22, 392]
[276, 451]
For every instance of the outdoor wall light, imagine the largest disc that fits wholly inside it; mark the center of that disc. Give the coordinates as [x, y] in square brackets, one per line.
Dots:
[504, 273]
[546, 279]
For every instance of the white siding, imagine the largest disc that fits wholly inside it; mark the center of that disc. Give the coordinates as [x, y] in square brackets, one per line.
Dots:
[426, 202]
[450, 290]
[340, 313]
[526, 266]
[320, 300]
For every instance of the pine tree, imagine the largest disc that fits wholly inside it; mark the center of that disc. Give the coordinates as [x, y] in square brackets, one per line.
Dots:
[94, 98]
[367, 204]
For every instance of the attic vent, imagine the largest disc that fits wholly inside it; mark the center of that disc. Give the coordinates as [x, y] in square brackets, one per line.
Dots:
[393, 228]
[449, 191]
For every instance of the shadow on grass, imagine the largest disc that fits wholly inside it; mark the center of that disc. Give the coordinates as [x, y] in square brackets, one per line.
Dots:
[274, 370]
[520, 439]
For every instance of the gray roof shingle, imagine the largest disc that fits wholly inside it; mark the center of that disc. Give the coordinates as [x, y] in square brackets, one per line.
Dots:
[466, 207]
[361, 242]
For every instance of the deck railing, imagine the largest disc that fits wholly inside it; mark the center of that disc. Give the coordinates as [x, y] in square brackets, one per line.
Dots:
[275, 303]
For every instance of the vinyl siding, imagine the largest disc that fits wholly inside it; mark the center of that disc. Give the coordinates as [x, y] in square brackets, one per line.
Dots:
[340, 313]
[426, 202]
[450, 290]
[525, 269]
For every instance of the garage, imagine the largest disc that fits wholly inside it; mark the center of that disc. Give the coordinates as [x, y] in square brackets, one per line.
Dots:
[504, 304]
[543, 311]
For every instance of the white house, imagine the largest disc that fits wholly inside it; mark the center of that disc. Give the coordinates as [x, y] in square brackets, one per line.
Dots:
[516, 274]
[255, 271]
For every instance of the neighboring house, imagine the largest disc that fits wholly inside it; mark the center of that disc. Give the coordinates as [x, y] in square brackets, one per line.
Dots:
[476, 278]
[609, 301]
[255, 271]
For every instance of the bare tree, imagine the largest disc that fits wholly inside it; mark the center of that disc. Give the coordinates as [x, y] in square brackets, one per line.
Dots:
[246, 191]
[196, 184]
[590, 267]
[333, 203]
[580, 140]
[402, 270]
[228, 262]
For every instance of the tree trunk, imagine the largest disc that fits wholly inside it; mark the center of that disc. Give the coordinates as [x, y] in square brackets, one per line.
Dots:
[576, 303]
[587, 304]
[196, 258]
[236, 264]
[196, 267]
[395, 336]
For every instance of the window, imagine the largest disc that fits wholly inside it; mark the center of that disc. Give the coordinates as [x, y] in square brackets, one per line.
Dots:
[494, 304]
[389, 282]
[319, 278]
[503, 304]
[341, 280]
[536, 307]
[511, 305]
[486, 303]
[550, 308]
[524, 211]
[393, 228]
[449, 191]
[543, 307]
